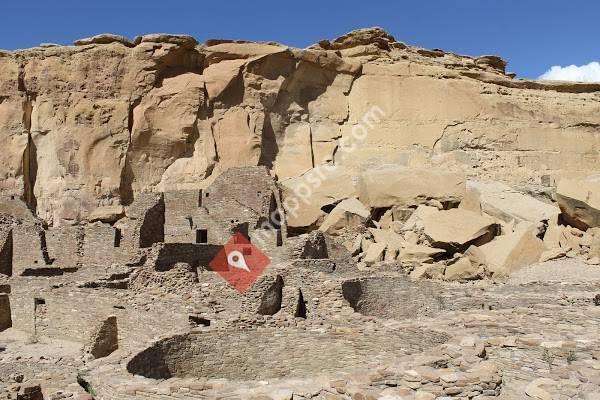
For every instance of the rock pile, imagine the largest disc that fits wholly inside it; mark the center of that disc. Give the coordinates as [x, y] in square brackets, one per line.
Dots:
[489, 230]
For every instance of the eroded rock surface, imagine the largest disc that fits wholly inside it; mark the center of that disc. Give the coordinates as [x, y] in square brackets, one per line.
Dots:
[92, 125]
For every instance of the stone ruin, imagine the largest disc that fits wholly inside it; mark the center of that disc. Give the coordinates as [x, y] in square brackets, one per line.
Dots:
[449, 253]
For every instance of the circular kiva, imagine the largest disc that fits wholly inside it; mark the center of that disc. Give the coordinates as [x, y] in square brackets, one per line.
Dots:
[273, 353]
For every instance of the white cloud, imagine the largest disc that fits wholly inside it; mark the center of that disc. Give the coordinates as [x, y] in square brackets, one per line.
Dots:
[585, 73]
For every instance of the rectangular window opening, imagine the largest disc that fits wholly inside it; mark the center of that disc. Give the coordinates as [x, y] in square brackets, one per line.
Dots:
[201, 236]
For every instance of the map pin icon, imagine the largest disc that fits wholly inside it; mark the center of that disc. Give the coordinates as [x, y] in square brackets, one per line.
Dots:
[236, 259]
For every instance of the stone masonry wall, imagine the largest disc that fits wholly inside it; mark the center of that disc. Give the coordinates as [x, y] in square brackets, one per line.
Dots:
[6, 250]
[259, 354]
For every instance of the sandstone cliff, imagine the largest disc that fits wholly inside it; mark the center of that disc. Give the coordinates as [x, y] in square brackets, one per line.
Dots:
[91, 125]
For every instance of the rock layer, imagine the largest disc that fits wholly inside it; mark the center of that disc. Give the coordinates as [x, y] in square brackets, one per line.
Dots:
[92, 125]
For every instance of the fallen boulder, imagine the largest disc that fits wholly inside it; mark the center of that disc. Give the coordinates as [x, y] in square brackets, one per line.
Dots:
[400, 186]
[456, 229]
[579, 201]
[462, 270]
[388, 237]
[304, 196]
[350, 213]
[419, 254]
[415, 221]
[506, 204]
[515, 250]
[107, 214]
[374, 254]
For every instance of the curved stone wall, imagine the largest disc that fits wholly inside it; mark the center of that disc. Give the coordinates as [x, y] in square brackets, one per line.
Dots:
[271, 353]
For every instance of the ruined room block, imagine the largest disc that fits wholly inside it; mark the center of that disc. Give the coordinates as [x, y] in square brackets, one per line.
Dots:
[6, 251]
[102, 245]
[104, 338]
[5, 314]
[28, 235]
[29, 248]
[181, 209]
[144, 224]
[63, 244]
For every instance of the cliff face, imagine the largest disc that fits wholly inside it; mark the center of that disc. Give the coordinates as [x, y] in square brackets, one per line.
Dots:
[91, 125]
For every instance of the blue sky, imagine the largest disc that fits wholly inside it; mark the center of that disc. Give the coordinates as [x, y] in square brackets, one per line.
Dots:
[533, 35]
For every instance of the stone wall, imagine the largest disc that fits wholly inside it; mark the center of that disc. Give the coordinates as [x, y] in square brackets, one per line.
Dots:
[166, 255]
[262, 354]
[102, 245]
[180, 209]
[5, 312]
[29, 248]
[244, 200]
[64, 245]
[6, 250]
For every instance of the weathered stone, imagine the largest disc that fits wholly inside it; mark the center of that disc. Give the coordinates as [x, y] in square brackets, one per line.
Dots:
[462, 270]
[105, 38]
[349, 213]
[506, 204]
[305, 195]
[388, 186]
[419, 253]
[579, 200]
[514, 250]
[374, 254]
[535, 390]
[180, 40]
[457, 229]
[107, 214]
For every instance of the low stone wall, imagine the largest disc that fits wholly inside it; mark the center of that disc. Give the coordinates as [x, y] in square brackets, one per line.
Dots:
[264, 353]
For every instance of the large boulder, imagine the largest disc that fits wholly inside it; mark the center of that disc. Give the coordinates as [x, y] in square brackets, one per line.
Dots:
[415, 221]
[108, 214]
[412, 253]
[457, 229]
[515, 250]
[350, 213]
[305, 195]
[579, 200]
[389, 186]
[375, 253]
[507, 204]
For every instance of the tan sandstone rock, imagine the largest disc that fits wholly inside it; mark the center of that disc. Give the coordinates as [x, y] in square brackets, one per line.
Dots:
[456, 229]
[374, 254]
[503, 202]
[350, 213]
[395, 186]
[515, 250]
[579, 200]
[93, 125]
